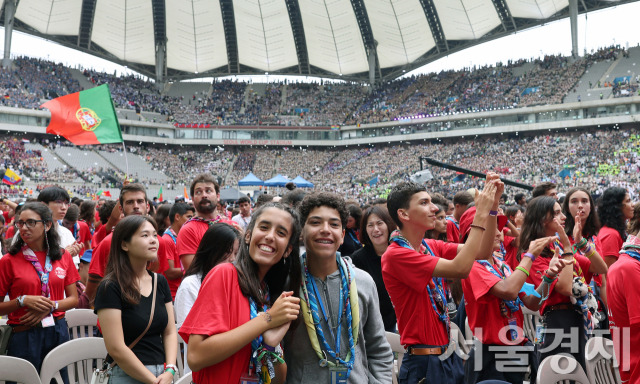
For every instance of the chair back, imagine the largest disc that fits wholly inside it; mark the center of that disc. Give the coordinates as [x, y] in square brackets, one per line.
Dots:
[601, 362]
[458, 341]
[181, 361]
[80, 356]
[18, 370]
[558, 368]
[394, 341]
[186, 379]
[531, 321]
[81, 323]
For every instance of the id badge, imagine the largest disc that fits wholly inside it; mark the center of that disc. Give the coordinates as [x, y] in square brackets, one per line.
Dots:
[539, 334]
[513, 329]
[338, 375]
[48, 321]
[249, 376]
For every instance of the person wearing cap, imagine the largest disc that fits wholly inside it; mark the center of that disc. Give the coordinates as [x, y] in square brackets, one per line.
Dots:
[413, 269]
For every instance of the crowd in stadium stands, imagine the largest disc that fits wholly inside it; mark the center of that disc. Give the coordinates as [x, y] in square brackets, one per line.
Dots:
[506, 85]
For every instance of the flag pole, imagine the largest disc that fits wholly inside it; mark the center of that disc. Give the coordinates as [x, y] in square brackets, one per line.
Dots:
[125, 160]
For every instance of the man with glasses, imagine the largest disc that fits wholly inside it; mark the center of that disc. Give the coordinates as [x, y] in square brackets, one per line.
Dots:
[57, 199]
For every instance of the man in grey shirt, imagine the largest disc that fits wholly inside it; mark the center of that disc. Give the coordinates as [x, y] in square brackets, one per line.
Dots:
[339, 304]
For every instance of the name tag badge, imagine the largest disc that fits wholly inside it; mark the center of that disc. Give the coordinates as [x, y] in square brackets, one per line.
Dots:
[513, 329]
[539, 334]
[48, 321]
[338, 375]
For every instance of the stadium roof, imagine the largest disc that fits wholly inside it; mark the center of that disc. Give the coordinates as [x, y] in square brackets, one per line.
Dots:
[328, 38]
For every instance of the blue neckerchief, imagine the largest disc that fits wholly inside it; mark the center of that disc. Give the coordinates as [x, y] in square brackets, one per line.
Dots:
[354, 238]
[632, 252]
[171, 234]
[257, 342]
[451, 219]
[436, 288]
[314, 299]
[502, 272]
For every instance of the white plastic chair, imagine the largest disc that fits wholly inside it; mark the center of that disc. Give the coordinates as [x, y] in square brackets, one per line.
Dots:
[19, 370]
[394, 341]
[601, 362]
[186, 379]
[81, 323]
[3, 321]
[557, 368]
[531, 321]
[181, 361]
[81, 356]
[468, 333]
[458, 340]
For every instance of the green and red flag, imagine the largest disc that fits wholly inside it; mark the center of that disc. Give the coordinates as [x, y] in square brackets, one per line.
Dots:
[86, 117]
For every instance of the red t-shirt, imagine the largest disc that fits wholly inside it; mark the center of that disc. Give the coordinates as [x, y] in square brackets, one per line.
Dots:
[98, 236]
[19, 277]
[11, 231]
[406, 274]
[190, 235]
[453, 232]
[511, 252]
[172, 254]
[542, 264]
[624, 312]
[483, 308]
[84, 234]
[100, 256]
[608, 242]
[220, 307]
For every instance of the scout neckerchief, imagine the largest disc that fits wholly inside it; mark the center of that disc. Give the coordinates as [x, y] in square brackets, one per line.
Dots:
[92, 229]
[311, 304]
[436, 288]
[501, 269]
[203, 220]
[453, 220]
[257, 342]
[43, 273]
[587, 320]
[75, 230]
[172, 235]
[631, 247]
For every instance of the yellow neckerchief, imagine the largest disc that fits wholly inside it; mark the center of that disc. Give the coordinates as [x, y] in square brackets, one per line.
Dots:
[306, 312]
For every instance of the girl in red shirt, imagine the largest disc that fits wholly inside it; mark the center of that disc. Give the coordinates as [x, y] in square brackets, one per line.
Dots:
[244, 309]
[40, 278]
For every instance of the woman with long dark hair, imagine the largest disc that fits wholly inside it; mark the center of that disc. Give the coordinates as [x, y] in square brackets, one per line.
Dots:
[614, 208]
[124, 304]
[352, 233]
[39, 277]
[377, 226]
[244, 309]
[560, 309]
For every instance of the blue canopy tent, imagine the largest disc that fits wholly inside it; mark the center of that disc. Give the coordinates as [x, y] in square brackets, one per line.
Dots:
[302, 183]
[276, 181]
[250, 179]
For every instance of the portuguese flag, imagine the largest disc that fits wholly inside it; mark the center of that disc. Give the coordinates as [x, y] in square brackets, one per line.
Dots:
[86, 117]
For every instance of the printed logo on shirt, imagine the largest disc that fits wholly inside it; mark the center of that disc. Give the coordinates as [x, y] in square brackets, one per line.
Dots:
[61, 273]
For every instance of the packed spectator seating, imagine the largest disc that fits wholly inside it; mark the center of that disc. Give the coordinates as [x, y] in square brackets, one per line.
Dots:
[548, 80]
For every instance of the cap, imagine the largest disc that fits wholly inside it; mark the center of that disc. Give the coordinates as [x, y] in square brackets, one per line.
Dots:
[87, 256]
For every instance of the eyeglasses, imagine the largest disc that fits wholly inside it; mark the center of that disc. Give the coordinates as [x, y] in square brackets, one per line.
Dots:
[30, 223]
[62, 202]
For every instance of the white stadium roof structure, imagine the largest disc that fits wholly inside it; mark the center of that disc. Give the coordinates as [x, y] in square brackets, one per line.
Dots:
[185, 39]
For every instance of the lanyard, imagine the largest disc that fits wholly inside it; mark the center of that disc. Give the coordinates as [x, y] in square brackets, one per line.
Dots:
[354, 238]
[30, 256]
[451, 219]
[318, 298]
[257, 342]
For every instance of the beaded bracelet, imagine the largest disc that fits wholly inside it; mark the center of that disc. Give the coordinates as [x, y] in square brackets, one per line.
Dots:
[547, 279]
[519, 268]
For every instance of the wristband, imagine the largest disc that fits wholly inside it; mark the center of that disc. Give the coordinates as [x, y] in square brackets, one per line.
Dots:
[547, 279]
[530, 255]
[268, 347]
[268, 316]
[493, 213]
[565, 254]
[519, 268]
[170, 367]
[478, 226]
[21, 301]
[170, 370]
[581, 244]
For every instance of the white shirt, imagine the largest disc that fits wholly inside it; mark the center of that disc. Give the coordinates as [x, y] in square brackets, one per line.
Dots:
[241, 220]
[185, 297]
